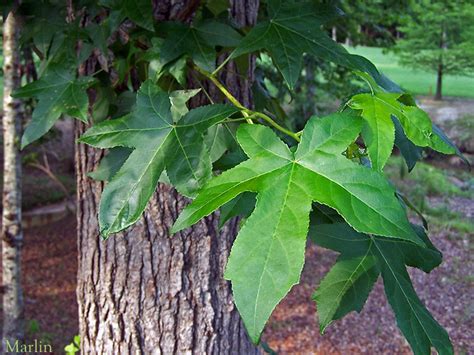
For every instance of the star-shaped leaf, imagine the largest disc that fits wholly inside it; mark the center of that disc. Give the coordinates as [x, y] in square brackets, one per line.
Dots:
[410, 152]
[268, 254]
[159, 143]
[379, 133]
[363, 258]
[197, 41]
[58, 92]
[294, 28]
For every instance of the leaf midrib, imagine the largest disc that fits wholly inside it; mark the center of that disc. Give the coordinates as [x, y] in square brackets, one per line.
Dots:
[320, 44]
[401, 114]
[349, 280]
[242, 182]
[186, 157]
[143, 129]
[138, 180]
[155, 109]
[394, 274]
[344, 188]
[273, 237]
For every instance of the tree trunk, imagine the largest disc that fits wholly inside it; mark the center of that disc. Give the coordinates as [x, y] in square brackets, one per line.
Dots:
[439, 78]
[144, 291]
[12, 235]
[439, 83]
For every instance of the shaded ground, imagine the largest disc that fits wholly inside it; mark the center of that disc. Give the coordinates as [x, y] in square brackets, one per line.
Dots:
[49, 278]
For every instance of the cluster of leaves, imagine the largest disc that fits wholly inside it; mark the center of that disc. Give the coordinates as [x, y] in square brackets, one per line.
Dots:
[74, 346]
[318, 177]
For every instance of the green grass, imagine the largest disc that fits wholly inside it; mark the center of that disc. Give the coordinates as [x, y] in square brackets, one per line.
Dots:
[415, 81]
[426, 181]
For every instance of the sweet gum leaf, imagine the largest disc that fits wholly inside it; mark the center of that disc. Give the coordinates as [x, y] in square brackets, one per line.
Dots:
[268, 254]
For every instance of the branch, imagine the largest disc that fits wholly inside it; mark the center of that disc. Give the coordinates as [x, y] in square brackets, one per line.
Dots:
[245, 111]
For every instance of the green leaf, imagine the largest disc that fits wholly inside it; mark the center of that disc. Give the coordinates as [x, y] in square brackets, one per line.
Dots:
[379, 134]
[339, 237]
[345, 287]
[138, 11]
[197, 41]
[99, 34]
[348, 283]
[158, 144]
[219, 139]
[345, 186]
[410, 152]
[414, 320]
[178, 99]
[295, 28]
[268, 254]
[377, 109]
[217, 6]
[110, 164]
[443, 143]
[241, 206]
[342, 238]
[58, 92]
[158, 67]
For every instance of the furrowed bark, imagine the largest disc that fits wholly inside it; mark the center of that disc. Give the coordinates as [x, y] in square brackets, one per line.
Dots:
[12, 235]
[144, 291]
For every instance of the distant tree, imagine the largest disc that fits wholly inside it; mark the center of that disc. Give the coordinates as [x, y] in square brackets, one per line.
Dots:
[436, 38]
[12, 236]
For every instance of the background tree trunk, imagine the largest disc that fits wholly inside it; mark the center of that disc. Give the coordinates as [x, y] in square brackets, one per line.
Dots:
[440, 71]
[439, 83]
[12, 235]
[143, 291]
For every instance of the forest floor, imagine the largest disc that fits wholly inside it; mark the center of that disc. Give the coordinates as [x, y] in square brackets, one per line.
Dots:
[49, 265]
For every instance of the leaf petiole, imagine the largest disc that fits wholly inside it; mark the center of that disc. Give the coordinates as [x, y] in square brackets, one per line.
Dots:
[248, 118]
[245, 111]
[222, 65]
[266, 118]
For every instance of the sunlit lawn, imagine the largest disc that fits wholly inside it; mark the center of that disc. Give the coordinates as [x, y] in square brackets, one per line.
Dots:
[415, 81]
